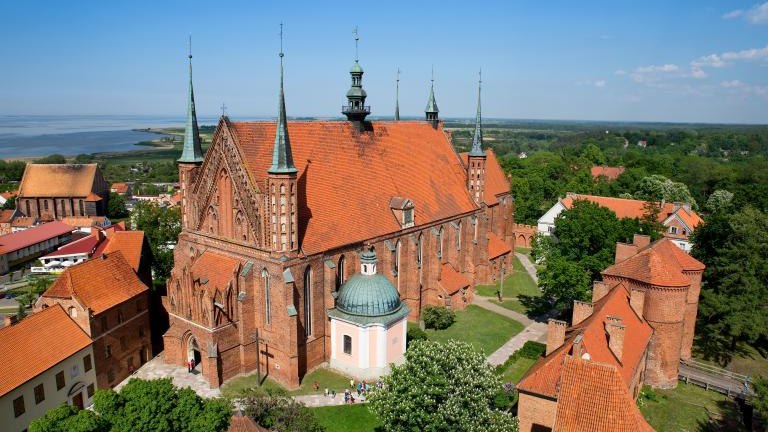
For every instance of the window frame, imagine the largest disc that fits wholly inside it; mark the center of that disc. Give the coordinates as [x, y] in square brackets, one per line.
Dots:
[87, 363]
[346, 346]
[39, 392]
[18, 407]
[61, 380]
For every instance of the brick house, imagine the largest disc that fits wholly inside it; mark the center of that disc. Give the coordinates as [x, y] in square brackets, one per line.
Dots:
[635, 331]
[678, 219]
[51, 192]
[276, 215]
[111, 304]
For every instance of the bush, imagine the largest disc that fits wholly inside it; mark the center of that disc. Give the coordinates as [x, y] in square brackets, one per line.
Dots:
[414, 334]
[531, 349]
[438, 318]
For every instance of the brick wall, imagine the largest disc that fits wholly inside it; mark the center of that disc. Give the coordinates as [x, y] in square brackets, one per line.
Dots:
[535, 411]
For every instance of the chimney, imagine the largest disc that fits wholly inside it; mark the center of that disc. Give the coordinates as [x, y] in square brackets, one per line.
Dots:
[581, 311]
[555, 334]
[624, 251]
[9, 320]
[637, 301]
[576, 352]
[599, 290]
[641, 240]
[615, 329]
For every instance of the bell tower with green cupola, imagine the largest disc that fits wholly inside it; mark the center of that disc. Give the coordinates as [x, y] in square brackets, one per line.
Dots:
[476, 157]
[355, 109]
[192, 152]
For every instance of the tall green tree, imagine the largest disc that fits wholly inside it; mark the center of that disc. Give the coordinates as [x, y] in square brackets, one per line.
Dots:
[162, 226]
[116, 207]
[734, 301]
[441, 387]
[10, 203]
[141, 406]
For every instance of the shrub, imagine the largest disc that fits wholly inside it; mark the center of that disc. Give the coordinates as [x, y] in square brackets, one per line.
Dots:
[438, 318]
[414, 334]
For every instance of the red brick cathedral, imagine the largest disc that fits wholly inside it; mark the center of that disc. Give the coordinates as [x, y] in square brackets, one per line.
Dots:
[276, 215]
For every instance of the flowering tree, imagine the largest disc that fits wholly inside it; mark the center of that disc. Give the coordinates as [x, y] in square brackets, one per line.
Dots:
[441, 387]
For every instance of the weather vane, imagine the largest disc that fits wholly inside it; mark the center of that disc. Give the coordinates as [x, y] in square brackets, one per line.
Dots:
[433, 74]
[357, 38]
[281, 39]
[190, 46]
[398, 75]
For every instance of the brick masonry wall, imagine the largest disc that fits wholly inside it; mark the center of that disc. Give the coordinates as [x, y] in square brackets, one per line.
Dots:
[535, 411]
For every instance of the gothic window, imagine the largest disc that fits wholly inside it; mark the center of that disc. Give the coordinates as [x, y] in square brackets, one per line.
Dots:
[82, 211]
[45, 205]
[267, 299]
[458, 236]
[212, 221]
[440, 243]
[419, 256]
[308, 301]
[26, 204]
[340, 272]
[408, 217]
[474, 224]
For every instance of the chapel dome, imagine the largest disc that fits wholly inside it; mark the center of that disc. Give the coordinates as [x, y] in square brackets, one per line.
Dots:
[356, 68]
[368, 293]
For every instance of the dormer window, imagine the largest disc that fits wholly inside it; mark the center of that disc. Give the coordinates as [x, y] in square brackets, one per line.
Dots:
[403, 209]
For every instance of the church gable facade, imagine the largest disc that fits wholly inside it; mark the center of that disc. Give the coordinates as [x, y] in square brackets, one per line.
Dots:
[277, 215]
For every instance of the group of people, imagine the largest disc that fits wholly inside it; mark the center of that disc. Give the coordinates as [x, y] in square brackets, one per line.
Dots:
[362, 387]
[190, 365]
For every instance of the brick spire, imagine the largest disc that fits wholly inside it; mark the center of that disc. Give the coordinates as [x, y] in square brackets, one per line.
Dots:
[477, 140]
[192, 151]
[282, 159]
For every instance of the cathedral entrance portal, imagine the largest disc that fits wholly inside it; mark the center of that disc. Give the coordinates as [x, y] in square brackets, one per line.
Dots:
[193, 351]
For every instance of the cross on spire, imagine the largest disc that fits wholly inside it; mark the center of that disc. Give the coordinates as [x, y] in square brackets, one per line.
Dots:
[223, 109]
[282, 158]
[357, 38]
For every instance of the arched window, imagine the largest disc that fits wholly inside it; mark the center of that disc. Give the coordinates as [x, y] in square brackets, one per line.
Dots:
[396, 263]
[341, 272]
[308, 301]
[440, 242]
[419, 256]
[458, 236]
[72, 312]
[267, 300]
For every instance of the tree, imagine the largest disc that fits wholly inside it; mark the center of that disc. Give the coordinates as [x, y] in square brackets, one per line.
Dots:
[52, 159]
[162, 226]
[141, 406]
[735, 289]
[280, 413]
[759, 401]
[441, 387]
[10, 203]
[720, 200]
[657, 187]
[593, 154]
[562, 282]
[116, 207]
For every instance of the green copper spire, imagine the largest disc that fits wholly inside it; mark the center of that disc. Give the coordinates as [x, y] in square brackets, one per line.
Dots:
[397, 97]
[192, 151]
[356, 110]
[431, 109]
[282, 160]
[477, 140]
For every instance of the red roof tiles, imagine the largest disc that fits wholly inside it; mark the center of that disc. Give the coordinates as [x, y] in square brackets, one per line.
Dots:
[496, 246]
[6, 216]
[593, 398]
[36, 344]
[99, 284]
[130, 243]
[85, 245]
[611, 173]
[240, 423]
[631, 208]
[661, 264]
[214, 270]
[451, 280]
[21, 239]
[120, 188]
[395, 159]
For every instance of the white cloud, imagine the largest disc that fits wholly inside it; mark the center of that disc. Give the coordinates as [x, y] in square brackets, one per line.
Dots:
[757, 14]
[620, 72]
[745, 88]
[644, 74]
[600, 83]
[726, 58]
[590, 83]
[732, 84]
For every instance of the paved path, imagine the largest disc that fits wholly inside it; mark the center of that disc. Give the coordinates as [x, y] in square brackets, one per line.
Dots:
[157, 368]
[529, 267]
[321, 400]
[486, 303]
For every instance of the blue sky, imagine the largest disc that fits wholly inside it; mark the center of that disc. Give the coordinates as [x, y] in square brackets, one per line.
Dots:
[697, 61]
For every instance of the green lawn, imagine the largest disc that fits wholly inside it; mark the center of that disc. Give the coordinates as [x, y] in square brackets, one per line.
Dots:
[324, 377]
[516, 370]
[483, 329]
[747, 361]
[689, 408]
[518, 283]
[347, 418]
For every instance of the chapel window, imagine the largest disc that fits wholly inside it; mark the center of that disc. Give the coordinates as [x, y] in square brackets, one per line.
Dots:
[348, 344]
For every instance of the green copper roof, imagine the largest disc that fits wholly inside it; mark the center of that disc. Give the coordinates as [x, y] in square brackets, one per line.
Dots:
[370, 320]
[477, 139]
[282, 159]
[368, 294]
[431, 103]
[356, 68]
[192, 151]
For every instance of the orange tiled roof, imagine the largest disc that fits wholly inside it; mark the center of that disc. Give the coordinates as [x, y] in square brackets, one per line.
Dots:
[690, 218]
[8, 194]
[396, 159]
[661, 263]
[36, 344]
[451, 280]
[119, 188]
[84, 221]
[611, 173]
[130, 243]
[24, 221]
[7, 216]
[630, 208]
[241, 423]
[215, 270]
[99, 284]
[496, 182]
[31, 236]
[496, 246]
[544, 377]
[593, 398]
[58, 180]
[93, 197]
